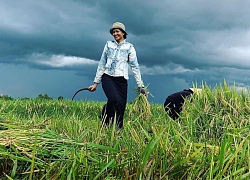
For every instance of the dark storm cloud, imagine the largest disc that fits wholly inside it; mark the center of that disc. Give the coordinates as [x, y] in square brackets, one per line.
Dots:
[48, 27]
[194, 34]
[184, 33]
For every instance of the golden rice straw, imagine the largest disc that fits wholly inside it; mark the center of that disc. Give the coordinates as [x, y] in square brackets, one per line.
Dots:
[141, 106]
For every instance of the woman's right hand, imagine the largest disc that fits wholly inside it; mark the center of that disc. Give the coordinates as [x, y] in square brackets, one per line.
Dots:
[93, 87]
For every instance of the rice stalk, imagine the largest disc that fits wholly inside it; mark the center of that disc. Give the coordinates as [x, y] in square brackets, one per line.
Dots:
[63, 139]
[141, 106]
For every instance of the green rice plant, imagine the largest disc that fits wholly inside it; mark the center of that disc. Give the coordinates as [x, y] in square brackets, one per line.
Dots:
[141, 106]
[51, 139]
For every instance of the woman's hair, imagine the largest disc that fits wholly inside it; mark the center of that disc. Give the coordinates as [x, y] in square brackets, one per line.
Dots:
[125, 35]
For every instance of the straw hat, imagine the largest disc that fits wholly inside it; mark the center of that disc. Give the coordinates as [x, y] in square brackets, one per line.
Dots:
[117, 25]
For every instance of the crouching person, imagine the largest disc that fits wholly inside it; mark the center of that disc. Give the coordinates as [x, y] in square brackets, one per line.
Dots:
[174, 102]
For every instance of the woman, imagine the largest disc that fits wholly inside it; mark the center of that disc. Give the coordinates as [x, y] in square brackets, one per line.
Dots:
[112, 72]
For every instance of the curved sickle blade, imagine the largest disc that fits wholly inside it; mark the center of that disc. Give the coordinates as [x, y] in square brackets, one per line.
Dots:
[79, 91]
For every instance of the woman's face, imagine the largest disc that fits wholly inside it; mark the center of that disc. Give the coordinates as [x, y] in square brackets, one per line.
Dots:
[118, 35]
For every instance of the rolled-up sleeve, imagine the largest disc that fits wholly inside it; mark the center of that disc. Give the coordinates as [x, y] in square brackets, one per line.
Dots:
[133, 63]
[101, 66]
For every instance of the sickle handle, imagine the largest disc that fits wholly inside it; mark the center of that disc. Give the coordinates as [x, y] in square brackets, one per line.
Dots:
[79, 91]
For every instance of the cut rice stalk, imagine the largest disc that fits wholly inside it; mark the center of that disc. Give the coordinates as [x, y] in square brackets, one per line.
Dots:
[141, 106]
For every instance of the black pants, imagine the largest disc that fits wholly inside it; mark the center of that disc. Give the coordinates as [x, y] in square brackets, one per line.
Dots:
[115, 89]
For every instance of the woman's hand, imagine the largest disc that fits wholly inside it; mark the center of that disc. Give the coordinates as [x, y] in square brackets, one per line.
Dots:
[142, 90]
[93, 87]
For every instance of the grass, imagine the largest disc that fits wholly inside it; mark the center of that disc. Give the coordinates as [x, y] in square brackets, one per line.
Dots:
[52, 139]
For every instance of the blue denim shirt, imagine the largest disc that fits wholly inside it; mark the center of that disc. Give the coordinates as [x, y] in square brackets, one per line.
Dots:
[115, 60]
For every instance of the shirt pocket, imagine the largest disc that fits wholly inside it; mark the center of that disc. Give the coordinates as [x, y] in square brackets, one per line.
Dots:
[111, 53]
[123, 55]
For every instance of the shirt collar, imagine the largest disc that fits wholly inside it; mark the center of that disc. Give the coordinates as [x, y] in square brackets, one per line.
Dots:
[120, 42]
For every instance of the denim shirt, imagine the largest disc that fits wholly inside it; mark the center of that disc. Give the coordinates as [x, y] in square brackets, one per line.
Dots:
[115, 60]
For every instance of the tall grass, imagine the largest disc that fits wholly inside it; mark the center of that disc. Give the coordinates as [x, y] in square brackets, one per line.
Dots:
[51, 139]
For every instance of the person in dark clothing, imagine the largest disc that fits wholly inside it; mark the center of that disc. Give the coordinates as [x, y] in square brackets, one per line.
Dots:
[174, 102]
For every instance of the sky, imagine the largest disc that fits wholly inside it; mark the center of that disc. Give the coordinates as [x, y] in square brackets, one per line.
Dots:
[53, 47]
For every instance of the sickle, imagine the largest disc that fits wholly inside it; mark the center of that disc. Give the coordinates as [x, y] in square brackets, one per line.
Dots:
[79, 91]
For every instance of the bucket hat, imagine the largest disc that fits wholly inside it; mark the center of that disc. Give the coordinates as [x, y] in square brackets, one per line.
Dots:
[118, 25]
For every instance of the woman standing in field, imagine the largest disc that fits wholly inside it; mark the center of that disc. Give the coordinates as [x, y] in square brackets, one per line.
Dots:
[112, 72]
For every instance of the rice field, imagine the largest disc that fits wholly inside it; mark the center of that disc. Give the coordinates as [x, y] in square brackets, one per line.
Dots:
[64, 139]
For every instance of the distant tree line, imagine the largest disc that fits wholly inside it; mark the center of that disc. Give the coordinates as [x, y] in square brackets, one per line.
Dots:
[40, 96]
[6, 97]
